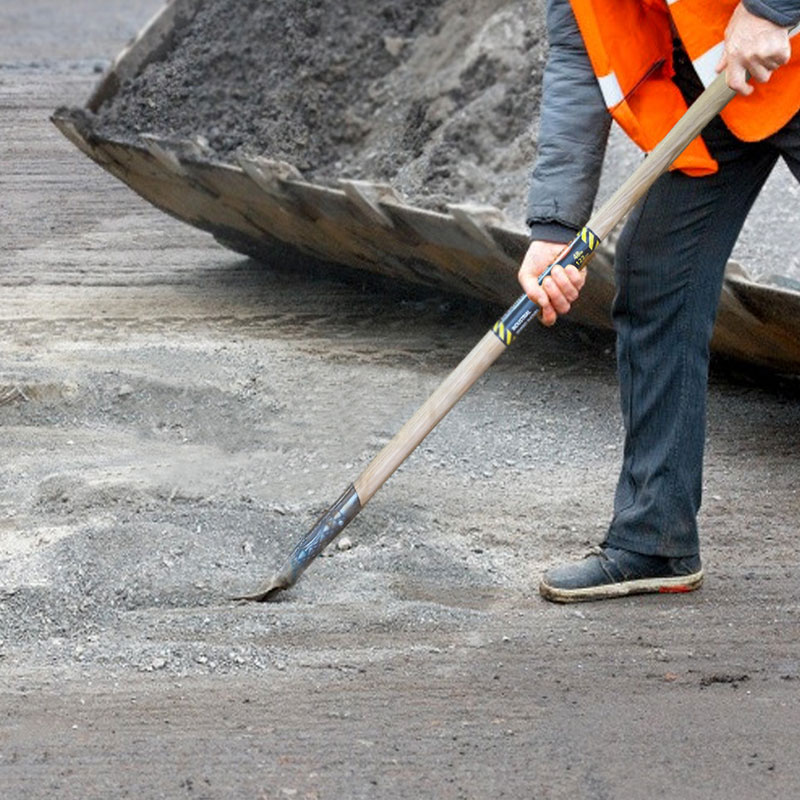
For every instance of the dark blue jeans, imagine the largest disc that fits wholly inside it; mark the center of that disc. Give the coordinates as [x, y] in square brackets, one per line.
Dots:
[670, 262]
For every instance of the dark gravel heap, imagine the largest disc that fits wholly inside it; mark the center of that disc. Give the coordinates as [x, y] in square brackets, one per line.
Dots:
[436, 96]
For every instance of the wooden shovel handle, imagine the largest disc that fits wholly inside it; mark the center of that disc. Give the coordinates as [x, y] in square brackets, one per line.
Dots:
[428, 415]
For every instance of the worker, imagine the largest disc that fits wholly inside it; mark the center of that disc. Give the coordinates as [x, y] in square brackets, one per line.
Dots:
[644, 61]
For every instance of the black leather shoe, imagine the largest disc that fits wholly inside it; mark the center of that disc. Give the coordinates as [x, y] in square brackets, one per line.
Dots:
[609, 572]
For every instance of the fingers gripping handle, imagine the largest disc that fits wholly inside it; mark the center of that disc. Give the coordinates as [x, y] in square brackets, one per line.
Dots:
[581, 248]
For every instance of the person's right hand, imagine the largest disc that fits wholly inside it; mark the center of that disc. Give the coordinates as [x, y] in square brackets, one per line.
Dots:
[752, 45]
[559, 289]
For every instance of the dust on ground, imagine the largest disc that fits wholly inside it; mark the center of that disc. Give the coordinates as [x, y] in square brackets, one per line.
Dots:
[173, 419]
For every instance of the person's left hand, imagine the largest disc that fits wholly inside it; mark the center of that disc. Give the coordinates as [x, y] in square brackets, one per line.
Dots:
[755, 45]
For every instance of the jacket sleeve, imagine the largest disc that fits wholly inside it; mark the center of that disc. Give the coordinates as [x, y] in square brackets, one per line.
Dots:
[573, 131]
[781, 12]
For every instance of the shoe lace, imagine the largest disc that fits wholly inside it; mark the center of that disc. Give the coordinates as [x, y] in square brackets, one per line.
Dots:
[612, 570]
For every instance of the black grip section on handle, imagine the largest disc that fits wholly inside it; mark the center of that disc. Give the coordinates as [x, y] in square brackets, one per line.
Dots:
[580, 250]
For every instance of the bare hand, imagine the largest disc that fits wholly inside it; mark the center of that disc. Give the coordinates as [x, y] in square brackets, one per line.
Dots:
[755, 45]
[558, 290]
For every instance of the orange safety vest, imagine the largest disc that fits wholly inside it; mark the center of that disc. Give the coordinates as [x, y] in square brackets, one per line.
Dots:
[630, 46]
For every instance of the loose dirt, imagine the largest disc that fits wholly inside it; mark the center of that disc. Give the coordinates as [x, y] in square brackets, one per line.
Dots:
[173, 417]
[437, 97]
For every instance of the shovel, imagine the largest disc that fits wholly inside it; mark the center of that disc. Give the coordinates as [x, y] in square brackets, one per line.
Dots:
[496, 341]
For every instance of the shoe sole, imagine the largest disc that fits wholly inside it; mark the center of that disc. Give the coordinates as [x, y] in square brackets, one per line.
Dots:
[676, 585]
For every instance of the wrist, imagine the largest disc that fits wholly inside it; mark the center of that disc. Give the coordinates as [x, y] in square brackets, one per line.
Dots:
[551, 231]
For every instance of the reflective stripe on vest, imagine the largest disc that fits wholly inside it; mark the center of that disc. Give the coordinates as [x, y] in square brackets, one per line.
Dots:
[612, 91]
[706, 65]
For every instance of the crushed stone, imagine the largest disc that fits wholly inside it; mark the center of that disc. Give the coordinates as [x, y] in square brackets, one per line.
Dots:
[439, 97]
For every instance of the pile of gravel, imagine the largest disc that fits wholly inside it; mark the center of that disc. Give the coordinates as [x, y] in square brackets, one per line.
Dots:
[436, 96]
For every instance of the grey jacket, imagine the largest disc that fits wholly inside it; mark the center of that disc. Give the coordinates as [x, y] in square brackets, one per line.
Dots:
[574, 124]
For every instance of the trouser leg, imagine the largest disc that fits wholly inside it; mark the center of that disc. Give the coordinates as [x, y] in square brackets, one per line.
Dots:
[787, 143]
[669, 268]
